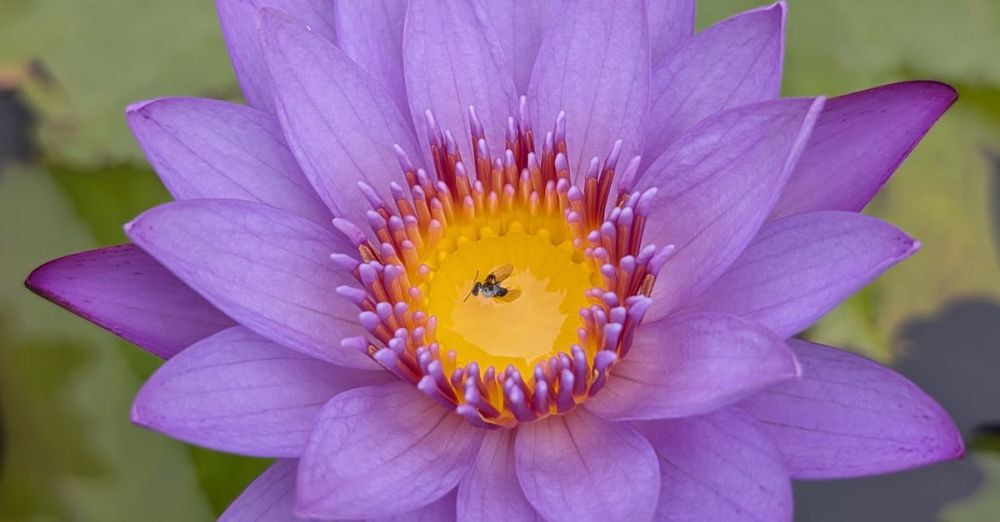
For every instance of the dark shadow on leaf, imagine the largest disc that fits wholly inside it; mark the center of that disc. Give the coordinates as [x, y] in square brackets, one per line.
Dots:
[954, 357]
[17, 128]
[993, 162]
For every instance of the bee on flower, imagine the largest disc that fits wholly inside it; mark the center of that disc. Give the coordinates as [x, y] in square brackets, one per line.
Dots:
[655, 224]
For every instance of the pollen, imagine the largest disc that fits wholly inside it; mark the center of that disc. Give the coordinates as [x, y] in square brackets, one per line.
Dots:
[496, 285]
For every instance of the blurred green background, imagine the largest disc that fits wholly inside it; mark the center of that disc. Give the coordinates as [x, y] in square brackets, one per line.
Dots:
[71, 175]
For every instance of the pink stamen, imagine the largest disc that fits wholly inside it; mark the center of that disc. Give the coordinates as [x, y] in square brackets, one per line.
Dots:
[411, 226]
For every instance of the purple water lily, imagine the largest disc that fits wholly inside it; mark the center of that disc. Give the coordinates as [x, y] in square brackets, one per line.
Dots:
[431, 298]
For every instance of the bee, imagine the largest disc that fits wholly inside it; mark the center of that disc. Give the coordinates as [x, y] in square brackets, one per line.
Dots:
[490, 287]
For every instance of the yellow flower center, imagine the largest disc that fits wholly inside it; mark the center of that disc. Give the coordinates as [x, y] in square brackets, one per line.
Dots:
[536, 318]
[496, 286]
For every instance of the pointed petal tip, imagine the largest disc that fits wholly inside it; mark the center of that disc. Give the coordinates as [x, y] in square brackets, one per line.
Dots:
[139, 224]
[40, 282]
[880, 422]
[142, 107]
[860, 141]
[779, 8]
[942, 91]
[904, 245]
[917, 92]
[135, 413]
[139, 412]
[131, 228]
[782, 7]
[952, 443]
[136, 107]
[35, 281]
[943, 444]
[946, 442]
[775, 12]
[958, 445]
[128, 227]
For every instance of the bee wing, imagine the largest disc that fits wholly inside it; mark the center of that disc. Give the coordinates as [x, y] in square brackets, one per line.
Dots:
[502, 272]
[512, 294]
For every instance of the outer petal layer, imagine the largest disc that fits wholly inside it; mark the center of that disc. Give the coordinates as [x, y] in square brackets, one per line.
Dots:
[491, 492]
[123, 289]
[240, 393]
[453, 60]
[239, 28]
[719, 467]
[848, 416]
[340, 123]
[269, 498]
[735, 62]
[520, 26]
[692, 364]
[371, 34]
[579, 467]
[798, 268]
[269, 270]
[859, 141]
[670, 25]
[716, 186]
[213, 149]
[381, 451]
[594, 65]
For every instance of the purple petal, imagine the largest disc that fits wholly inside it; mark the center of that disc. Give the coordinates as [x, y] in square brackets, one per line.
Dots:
[453, 60]
[594, 65]
[381, 451]
[693, 364]
[268, 269]
[520, 27]
[491, 492]
[719, 467]
[735, 62]
[340, 123]
[214, 149]
[371, 34]
[441, 510]
[124, 290]
[240, 393]
[238, 19]
[269, 498]
[716, 186]
[579, 467]
[798, 268]
[848, 416]
[670, 24]
[859, 141]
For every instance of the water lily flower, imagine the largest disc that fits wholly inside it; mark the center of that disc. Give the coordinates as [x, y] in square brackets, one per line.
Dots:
[513, 261]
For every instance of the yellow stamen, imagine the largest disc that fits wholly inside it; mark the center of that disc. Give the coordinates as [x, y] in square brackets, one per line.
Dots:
[537, 319]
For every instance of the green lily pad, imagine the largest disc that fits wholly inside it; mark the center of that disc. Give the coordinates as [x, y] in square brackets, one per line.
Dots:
[83, 63]
[66, 389]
